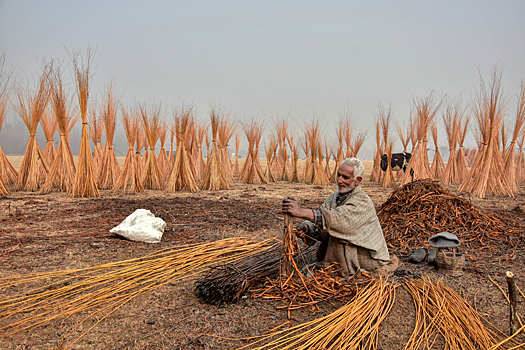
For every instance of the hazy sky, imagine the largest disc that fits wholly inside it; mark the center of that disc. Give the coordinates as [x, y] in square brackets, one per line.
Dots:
[257, 59]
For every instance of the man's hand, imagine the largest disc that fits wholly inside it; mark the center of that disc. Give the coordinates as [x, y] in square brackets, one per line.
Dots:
[291, 207]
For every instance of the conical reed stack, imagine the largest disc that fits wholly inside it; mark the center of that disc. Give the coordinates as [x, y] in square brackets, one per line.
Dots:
[438, 166]
[328, 151]
[418, 167]
[357, 143]
[313, 137]
[151, 177]
[182, 176]
[320, 179]
[225, 130]
[252, 167]
[139, 140]
[295, 159]
[237, 170]
[85, 184]
[281, 128]
[461, 158]
[270, 151]
[129, 179]
[485, 176]
[30, 106]
[375, 176]
[215, 175]
[510, 155]
[385, 119]
[8, 175]
[48, 123]
[62, 174]
[162, 159]
[201, 130]
[347, 132]
[95, 128]
[452, 117]
[109, 169]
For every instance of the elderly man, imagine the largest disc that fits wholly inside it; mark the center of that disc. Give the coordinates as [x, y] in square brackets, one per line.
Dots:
[347, 225]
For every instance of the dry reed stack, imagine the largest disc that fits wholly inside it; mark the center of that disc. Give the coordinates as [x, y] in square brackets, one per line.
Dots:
[182, 176]
[129, 179]
[85, 184]
[510, 155]
[486, 175]
[438, 166]
[140, 139]
[95, 128]
[61, 177]
[452, 119]
[163, 160]
[461, 158]
[225, 130]
[109, 169]
[236, 168]
[31, 106]
[404, 136]
[281, 128]
[312, 146]
[201, 130]
[339, 155]
[418, 167]
[171, 155]
[375, 175]
[151, 177]
[321, 177]
[49, 125]
[215, 175]
[347, 132]
[270, 152]
[385, 119]
[328, 151]
[8, 174]
[357, 143]
[252, 172]
[295, 159]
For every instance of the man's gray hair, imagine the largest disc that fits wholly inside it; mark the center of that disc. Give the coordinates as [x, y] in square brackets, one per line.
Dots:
[359, 168]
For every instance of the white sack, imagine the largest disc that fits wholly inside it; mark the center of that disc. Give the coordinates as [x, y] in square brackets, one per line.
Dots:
[141, 226]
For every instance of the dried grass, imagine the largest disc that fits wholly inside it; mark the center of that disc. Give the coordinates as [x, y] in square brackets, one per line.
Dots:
[8, 174]
[438, 165]
[215, 175]
[385, 119]
[252, 170]
[510, 154]
[375, 175]
[151, 176]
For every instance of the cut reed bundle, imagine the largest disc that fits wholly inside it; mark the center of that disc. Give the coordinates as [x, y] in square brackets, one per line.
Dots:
[321, 177]
[375, 175]
[404, 135]
[85, 184]
[461, 158]
[99, 291]
[31, 106]
[151, 176]
[252, 171]
[418, 167]
[485, 176]
[95, 128]
[438, 166]
[171, 153]
[385, 119]
[129, 179]
[201, 130]
[348, 128]
[182, 176]
[269, 149]
[48, 123]
[281, 128]
[8, 174]
[225, 130]
[357, 143]
[312, 145]
[441, 311]
[62, 174]
[510, 154]
[140, 139]
[163, 160]
[215, 177]
[352, 326]
[328, 151]
[452, 119]
[295, 159]
[109, 168]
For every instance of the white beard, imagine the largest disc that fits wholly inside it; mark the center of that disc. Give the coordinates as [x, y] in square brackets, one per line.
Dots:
[344, 190]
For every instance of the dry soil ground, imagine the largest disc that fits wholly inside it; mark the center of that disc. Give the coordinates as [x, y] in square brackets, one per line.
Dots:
[54, 232]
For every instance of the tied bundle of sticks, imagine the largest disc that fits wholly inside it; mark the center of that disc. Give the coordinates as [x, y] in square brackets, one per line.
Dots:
[88, 296]
[420, 209]
[297, 290]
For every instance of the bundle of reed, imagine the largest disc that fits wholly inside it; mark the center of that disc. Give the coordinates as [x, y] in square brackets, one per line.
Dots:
[269, 149]
[420, 209]
[140, 142]
[321, 177]
[348, 128]
[215, 175]
[201, 130]
[62, 174]
[452, 118]
[418, 167]
[352, 326]
[85, 184]
[510, 155]
[99, 291]
[109, 169]
[251, 171]
[281, 128]
[385, 119]
[305, 145]
[236, 169]
[182, 176]
[440, 311]
[151, 177]
[404, 136]
[8, 174]
[48, 123]
[328, 151]
[312, 139]
[129, 179]
[171, 154]
[461, 157]
[163, 160]
[471, 154]
[225, 130]
[357, 143]
[227, 283]
[485, 176]
[31, 106]
[438, 166]
[294, 177]
[339, 155]
[145, 143]
[95, 128]
[376, 168]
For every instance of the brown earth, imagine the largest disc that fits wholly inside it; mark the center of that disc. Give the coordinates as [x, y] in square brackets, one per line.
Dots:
[54, 232]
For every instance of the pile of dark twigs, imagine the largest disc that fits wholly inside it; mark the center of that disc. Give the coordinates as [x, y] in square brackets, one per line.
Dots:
[420, 209]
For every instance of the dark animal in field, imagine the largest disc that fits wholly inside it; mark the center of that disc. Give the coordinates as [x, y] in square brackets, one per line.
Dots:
[397, 162]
